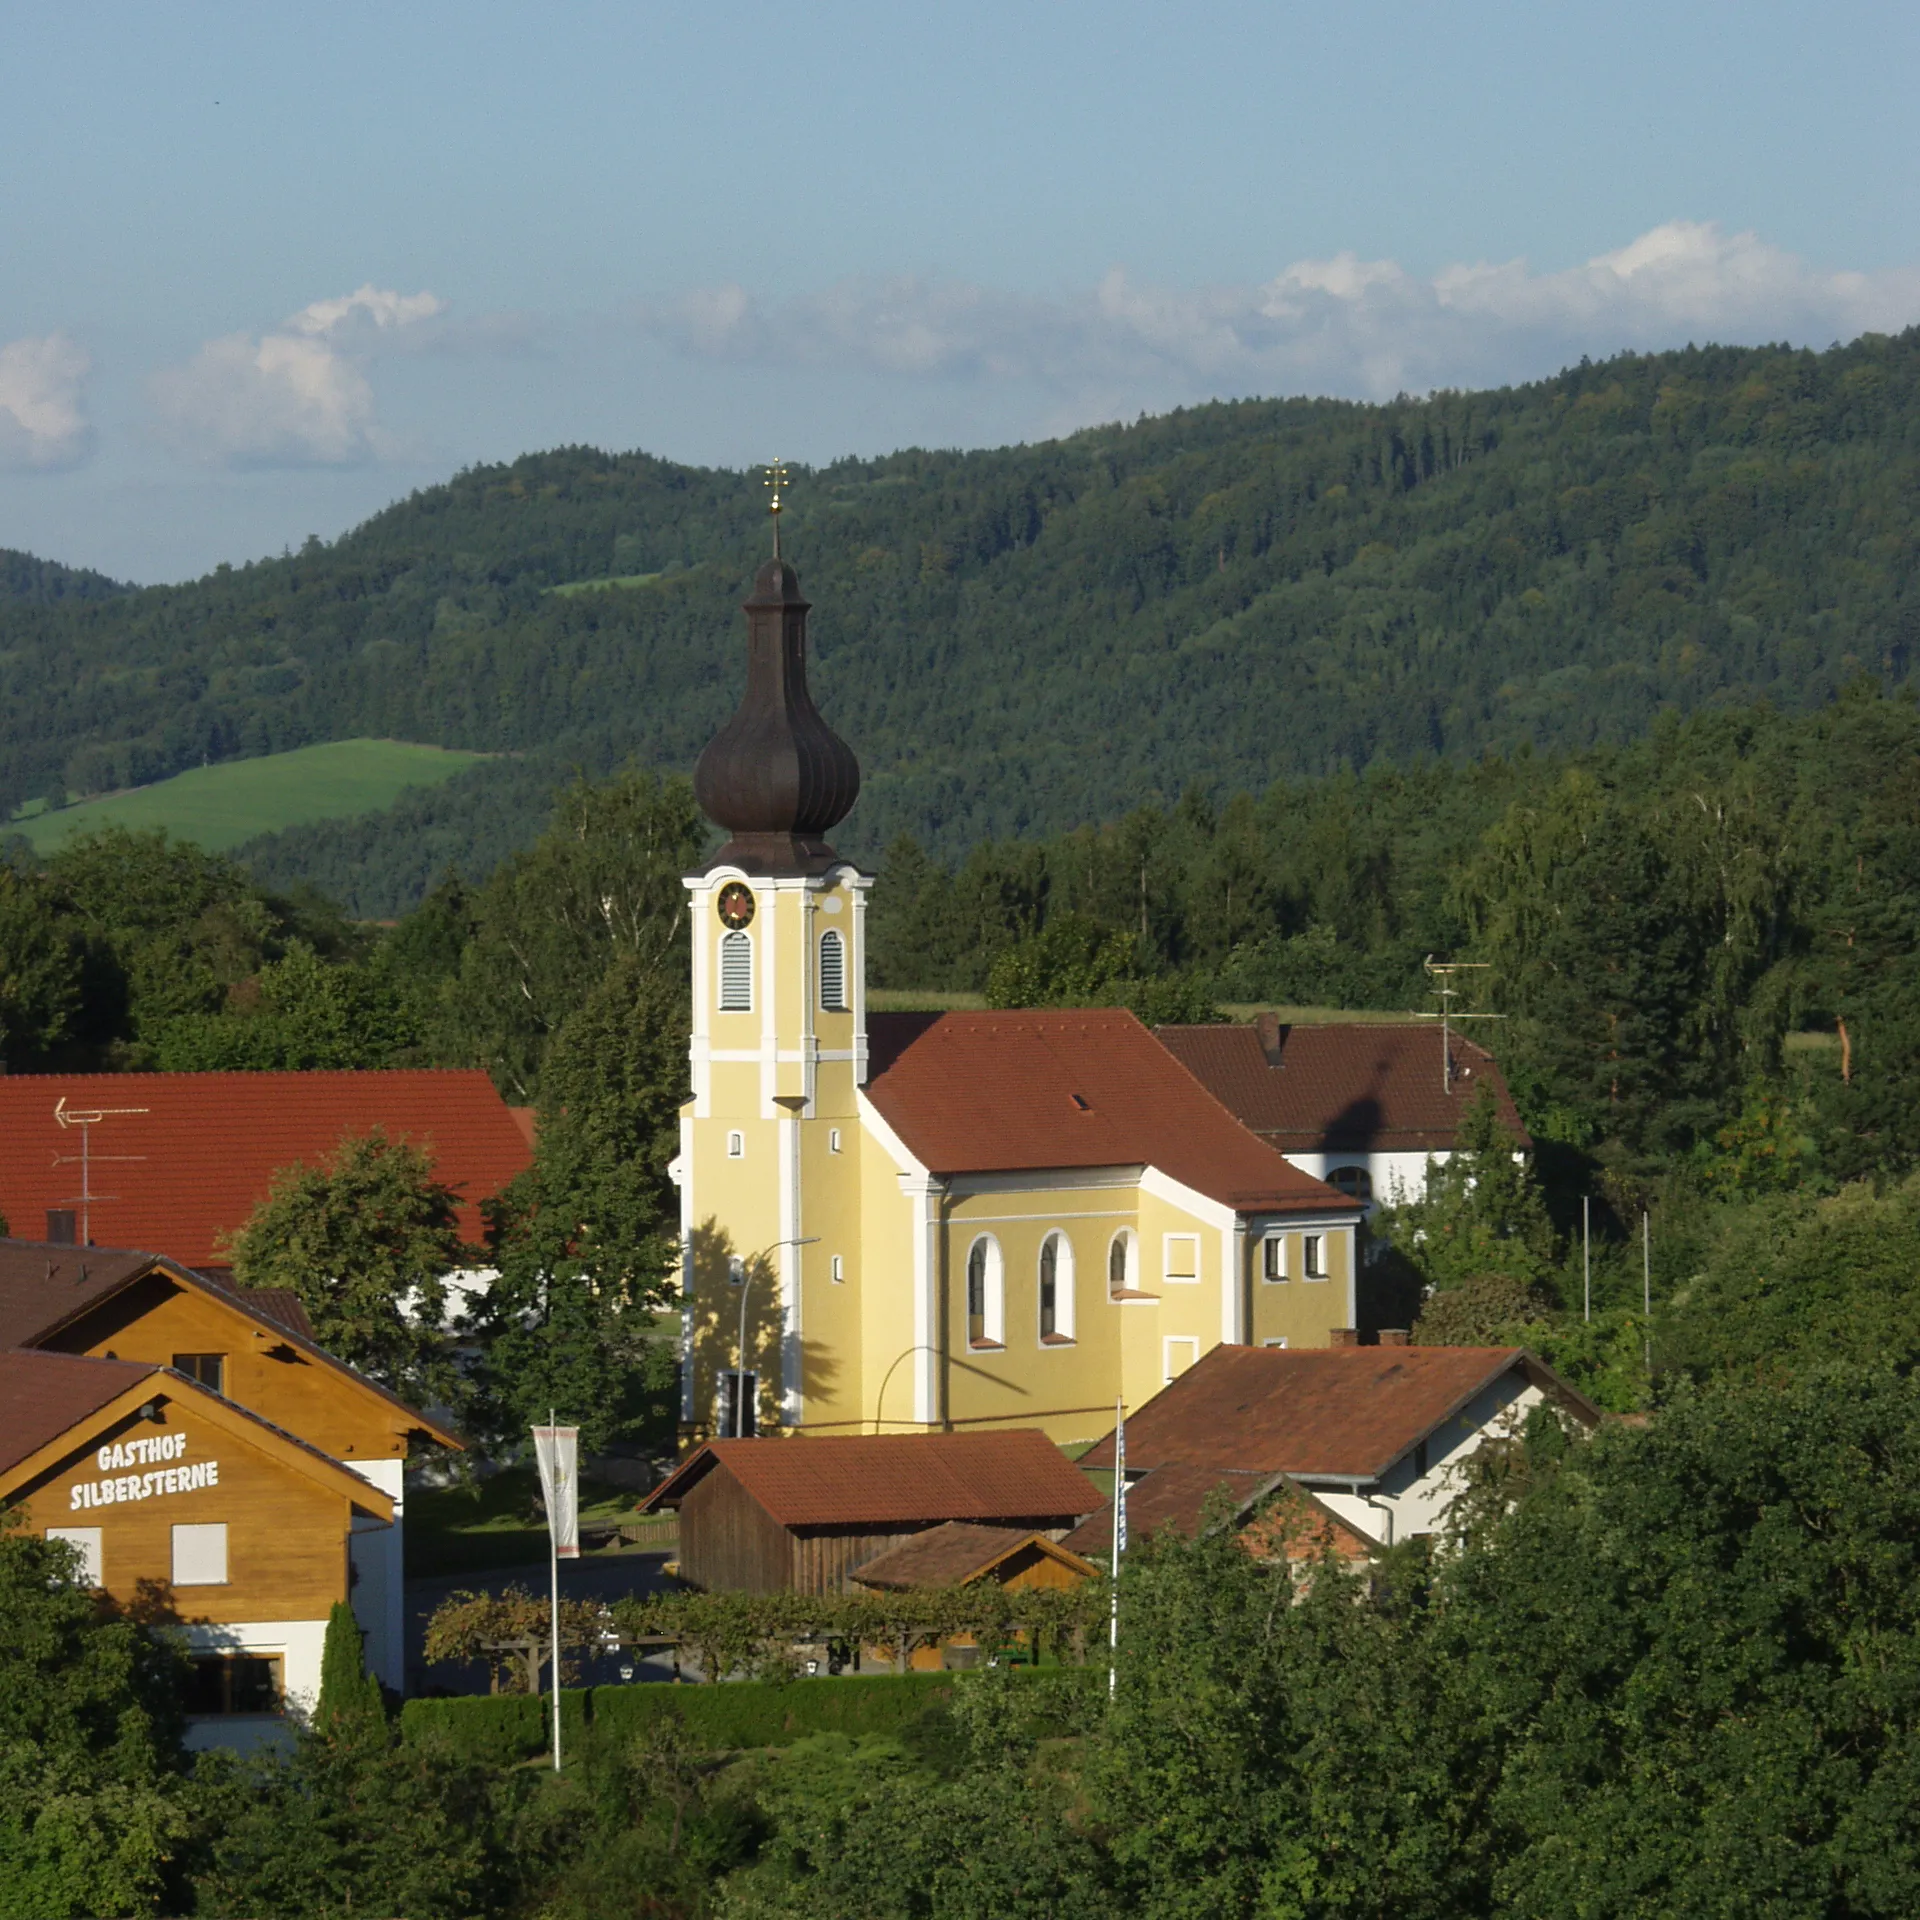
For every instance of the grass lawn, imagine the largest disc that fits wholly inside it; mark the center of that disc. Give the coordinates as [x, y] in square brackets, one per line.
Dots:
[600, 586]
[218, 807]
[496, 1523]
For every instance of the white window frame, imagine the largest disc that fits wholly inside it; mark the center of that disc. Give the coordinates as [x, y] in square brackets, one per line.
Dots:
[839, 1269]
[1064, 1322]
[1313, 1252]
[1191, 1341]
[833, 1139]
[726, 1388]
[197, 1539]
[736, 1145]
[993, 1289]
[838, 1002]
[1130, 1283]
[91, 1543]
[1274, 1340]
[1167, 1257]
[735, 972]
[1273, 1271]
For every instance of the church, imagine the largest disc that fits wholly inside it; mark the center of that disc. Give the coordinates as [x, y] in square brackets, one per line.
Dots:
[909, 1223]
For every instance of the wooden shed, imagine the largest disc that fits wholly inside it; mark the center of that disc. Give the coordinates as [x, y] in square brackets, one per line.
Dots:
[963, 1552]
[801, 1515]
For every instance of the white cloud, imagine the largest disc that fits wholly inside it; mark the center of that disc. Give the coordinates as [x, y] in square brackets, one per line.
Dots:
[296, 397]
[1344, 325]
[43, 423]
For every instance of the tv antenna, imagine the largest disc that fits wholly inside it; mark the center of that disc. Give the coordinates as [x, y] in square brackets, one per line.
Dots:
[1446, 993]
[86, 1119]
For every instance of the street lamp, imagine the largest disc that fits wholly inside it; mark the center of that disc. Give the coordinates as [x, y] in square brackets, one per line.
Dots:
[745, 1269]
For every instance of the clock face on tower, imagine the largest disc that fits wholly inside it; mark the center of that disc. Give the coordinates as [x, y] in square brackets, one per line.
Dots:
[735, 905]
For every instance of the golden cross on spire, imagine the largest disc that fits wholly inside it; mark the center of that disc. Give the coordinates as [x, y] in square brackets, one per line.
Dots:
[776, 481]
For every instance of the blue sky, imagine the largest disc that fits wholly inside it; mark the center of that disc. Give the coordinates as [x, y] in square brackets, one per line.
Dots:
[265, 268]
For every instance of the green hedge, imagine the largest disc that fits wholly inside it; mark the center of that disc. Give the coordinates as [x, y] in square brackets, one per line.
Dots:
[500, 1729]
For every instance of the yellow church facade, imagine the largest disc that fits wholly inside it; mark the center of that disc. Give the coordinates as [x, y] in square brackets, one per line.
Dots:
[911, 1222]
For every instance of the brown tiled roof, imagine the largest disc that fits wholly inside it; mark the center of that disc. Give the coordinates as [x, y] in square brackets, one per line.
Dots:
[1326, 1413]
[43, 1394]
[997, 1092]
[953, 1554]
[44, 1289]
[874, 1480]
[202, 1152]
[1176, 1496]
[1342, 1086]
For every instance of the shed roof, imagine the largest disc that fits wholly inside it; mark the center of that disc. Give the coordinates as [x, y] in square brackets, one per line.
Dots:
[871, 1480]
[957, 1552]
[1086, 1087]
[1177, 1494]
[1344, 1085]
[1325, 1413]
[198, 1151]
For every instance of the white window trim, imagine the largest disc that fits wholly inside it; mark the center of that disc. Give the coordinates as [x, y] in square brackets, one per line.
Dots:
[1280, 1277]
[1190, 1341]
[201, 1536]
[1306, 1258]
[1167, 1273]
[90, 1541]
[833, 1139]
[839, 1269]
[838, 1005]
[1064, 1323]
[993, 1320]
[1274, 1340]
[1130, 1239]
[736, 1145]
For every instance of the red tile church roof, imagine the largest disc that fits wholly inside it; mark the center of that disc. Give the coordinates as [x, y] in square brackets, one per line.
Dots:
[189, 1167]
[996, 1092]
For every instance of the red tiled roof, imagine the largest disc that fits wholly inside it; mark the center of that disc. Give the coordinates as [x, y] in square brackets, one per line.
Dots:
[994, 1092]
[1344, 1085]
[190, 1166]
[955, 1553]
[45, 1288]
[872, 1480]
[1176, 1496]
[1329, 1413]
[46, 1393]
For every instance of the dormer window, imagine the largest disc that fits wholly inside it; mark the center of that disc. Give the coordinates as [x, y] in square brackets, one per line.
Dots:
[833, 972]
[736, 973]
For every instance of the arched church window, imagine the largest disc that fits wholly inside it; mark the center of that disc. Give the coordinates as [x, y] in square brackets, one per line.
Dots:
[736, 973]
[985, 1294]
[1056, 1288]
[833, 972]
[1355, 1182]
[1123, 1263]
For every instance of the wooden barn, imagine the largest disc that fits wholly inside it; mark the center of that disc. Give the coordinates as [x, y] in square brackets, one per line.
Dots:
[802, 1515]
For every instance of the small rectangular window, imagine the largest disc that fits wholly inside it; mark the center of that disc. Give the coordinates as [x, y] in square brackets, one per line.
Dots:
[1420, 1461]
[736, 1146]
[1273, 1257]
[234, 1683]
[87, 1540]
[1182, 1257]
[1278, 1340]
[210, 1369]
[1314, 1258]
[200, 1555]
[833, 1139]
[1181, 1352]
[839, 1268]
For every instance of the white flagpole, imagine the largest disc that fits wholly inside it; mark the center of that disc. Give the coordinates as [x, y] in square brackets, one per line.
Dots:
[553, 1617]
[556, 1452]
[1119, 1543]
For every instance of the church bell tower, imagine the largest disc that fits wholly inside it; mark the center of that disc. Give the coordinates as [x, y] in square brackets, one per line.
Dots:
[768, 1166]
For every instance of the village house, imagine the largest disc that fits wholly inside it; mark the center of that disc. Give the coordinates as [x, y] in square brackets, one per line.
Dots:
[1362, 1105]
[1379, 1437]
[192, 1514]
[253, 1351]
[909, 1223]
[814, 1516]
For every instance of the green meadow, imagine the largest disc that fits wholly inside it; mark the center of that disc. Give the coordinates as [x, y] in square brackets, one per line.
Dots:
[220, 806]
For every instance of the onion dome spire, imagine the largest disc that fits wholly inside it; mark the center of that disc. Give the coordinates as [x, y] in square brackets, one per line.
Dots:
[776, 776]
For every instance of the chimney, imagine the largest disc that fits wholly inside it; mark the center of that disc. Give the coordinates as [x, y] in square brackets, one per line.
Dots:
[1344, 1337]
[1393, 1336]
[60, 1225]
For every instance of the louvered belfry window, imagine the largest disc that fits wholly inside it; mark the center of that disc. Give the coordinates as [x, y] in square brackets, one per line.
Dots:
[833, 972]
[736, 973]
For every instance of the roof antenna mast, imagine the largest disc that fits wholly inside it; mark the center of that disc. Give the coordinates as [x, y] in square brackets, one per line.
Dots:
[1446, 993]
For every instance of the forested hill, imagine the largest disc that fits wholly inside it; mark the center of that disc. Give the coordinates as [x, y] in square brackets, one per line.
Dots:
[45, 583]
[1022, 639]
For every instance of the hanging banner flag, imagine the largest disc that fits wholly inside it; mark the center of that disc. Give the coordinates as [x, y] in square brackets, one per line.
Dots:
[557, 1450]
[1119, 1485]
